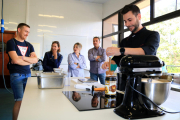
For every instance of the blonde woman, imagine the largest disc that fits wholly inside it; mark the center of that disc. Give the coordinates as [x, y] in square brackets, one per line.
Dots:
[76, 62]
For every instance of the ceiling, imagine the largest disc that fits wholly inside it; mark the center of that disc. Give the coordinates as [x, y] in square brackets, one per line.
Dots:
[94, 1]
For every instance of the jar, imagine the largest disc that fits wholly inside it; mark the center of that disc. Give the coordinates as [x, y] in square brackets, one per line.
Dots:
[110, 102]
[110, 85]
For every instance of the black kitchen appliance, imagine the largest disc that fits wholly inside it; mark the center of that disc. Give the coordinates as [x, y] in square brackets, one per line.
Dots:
[135, 67]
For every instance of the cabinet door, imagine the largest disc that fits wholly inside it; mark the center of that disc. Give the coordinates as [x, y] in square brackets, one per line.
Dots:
[7, 35]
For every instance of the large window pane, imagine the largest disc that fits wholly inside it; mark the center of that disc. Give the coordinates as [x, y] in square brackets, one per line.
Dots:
[144, 7]
[169, 48]
[164, 6]
[111, 41]
[110, 25]
[178, 4]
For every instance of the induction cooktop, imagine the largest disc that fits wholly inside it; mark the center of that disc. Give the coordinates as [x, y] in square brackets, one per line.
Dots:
[85, 100]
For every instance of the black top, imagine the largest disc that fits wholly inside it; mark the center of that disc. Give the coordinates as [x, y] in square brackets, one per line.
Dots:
[49, 62]
[22, 49]
[145, 39]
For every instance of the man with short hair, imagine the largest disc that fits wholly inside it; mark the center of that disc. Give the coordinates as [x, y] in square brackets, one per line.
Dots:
[97, 56]
[21, 55]
[140, 42]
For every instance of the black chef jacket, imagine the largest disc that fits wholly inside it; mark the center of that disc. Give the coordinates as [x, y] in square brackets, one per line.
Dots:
[145, 39]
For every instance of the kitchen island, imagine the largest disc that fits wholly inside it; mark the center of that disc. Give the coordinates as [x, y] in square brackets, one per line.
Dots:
[52, 104]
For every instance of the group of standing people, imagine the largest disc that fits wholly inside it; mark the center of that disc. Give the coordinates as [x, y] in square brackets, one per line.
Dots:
[76, 61]
[21, 54]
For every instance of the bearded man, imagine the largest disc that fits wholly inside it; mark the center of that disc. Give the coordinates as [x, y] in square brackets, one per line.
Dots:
[140, 42]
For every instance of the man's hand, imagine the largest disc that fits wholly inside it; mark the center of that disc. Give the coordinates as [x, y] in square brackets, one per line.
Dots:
[113, 51]
[17, 59]
[31, 55]
[31, 59]
[105, 65]
[97, 58]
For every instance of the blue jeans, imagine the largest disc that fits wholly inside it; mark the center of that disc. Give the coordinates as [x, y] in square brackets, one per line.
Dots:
[18, 83]
[101, 77]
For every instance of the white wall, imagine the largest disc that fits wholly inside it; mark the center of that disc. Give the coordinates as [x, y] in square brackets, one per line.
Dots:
[80, 18]
[14, 13]
[112, 6]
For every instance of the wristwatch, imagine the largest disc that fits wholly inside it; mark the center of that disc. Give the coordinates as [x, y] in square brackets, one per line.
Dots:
[122, 50]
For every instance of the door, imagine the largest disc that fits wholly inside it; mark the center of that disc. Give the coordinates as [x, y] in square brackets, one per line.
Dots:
[7, 35]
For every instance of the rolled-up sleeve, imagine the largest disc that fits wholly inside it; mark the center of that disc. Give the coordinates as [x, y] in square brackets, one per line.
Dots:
[82, 64]
[90, 55]
[151, 44]
[71, 62]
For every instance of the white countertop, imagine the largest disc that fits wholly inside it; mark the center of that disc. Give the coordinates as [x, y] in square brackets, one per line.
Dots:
[33, 73]
[52, 104]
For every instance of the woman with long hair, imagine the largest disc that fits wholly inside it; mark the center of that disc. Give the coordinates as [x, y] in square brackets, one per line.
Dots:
[53, 58]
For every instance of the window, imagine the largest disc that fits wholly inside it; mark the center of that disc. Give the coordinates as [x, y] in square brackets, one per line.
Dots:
[164, 6]
[111, 41]
[169, 48]
[165, 17]
[145, 10]
[178, 4]
[110, 25]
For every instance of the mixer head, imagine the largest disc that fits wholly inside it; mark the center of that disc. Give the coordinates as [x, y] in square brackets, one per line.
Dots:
[148, 65]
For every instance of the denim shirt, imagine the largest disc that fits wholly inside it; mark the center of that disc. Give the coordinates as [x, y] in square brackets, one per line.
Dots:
[73, 71]
[95, 66]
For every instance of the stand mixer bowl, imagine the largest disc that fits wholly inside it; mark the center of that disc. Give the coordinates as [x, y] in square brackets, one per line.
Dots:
[156, 90]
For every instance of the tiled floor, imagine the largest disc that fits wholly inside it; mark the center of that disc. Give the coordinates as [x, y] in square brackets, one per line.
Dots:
[6, 104]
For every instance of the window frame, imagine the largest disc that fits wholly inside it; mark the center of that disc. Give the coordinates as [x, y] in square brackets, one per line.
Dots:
[152, 21]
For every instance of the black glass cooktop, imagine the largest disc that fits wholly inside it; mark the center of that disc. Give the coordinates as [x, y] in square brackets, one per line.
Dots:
[85, 100]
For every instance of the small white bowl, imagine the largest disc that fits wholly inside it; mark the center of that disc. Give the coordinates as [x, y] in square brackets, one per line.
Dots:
[57, 70]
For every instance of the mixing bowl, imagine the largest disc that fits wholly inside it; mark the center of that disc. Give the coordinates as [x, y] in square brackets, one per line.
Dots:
[156, 90]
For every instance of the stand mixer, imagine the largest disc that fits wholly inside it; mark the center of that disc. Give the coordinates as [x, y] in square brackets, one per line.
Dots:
[134, 105]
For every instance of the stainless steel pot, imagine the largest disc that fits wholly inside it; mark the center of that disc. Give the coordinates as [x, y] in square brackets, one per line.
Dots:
[51, 80]
[156, 90]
